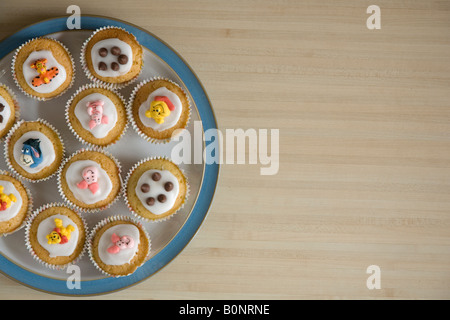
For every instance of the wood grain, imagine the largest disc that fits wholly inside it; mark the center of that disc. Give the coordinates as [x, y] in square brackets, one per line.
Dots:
[364, 120]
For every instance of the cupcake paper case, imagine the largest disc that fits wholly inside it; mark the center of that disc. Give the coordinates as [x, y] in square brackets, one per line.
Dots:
[118, 245]
[43, 68]
[96, 115]
[157, 108]
[155, 189]
[112, 56]
[90, 180]
[56, 235]
[9, 109]
[34, 150]
[16, 204]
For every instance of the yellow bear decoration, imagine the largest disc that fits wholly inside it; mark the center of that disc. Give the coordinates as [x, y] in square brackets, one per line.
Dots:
[60, 234]
[6, 200]
[158, 111]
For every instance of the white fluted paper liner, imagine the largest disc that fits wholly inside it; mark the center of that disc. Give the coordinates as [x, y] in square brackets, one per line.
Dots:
[79, 138]
[30, 203]
[30, 248]
[73, 205]
[91, 77]
[125, 191]
[106, 221]
[133, 121]
[8, 139]
[16, 107]
[31, 95]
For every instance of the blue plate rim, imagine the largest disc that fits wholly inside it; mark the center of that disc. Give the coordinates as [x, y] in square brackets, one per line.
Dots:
[210, 177]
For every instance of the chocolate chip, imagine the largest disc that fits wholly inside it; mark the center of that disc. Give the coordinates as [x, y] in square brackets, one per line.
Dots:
[1, 118]
[123, 59]
[145, 188]
[2, 106]
[115, 51]
[162, 198]
[103, 52]
[156, 176]
[150, 201]
[115, 66]
[102, 66]
[168, 186]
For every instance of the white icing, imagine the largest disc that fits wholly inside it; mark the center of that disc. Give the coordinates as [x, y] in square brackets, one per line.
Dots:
[30, 73]
[57, 250]
[73, 177]
[157, 188]
[6, 113]
[48, 151]
[169, 121]
[15, 207]
[123, 256]
[110, 58]
[109, 110]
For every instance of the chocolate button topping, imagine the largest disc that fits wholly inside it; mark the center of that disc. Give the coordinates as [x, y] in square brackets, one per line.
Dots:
[1, 118]
[123, 59]
[168, 186]
[145, 188]
[162, 198]
[156, 176]
[103, 52]
[115, 66]
[150, 201]
[2, 106]
[102, 66]
[115, 51]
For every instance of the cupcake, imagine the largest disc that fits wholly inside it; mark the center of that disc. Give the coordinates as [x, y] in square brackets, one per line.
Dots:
[155, 189]
[90, 180]
[112, 56]
[157, 108]
[56, 235]
[118, 246]
[97, 116]
[43, 68]
[15, 203]
[34, 150]
[9, 110]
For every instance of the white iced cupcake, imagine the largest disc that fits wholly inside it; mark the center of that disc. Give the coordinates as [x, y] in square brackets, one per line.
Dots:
[43, 68]
[16, 204]
[55, 235]
[90, 180]
[112, 56]
[118, 245]
[34, 150]
[96, 115]
[9, 110]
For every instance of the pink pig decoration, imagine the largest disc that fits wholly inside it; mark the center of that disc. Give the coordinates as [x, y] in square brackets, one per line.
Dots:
[120, 243]
[90, 177]
[95, 110]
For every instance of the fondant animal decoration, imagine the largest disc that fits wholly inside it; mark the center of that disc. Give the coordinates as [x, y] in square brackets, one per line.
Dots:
[120, 243]
[90, 177]
[95, 111]
[160, 108]
[31, 153]
[45, 75]
[60, 234]
[6, 200]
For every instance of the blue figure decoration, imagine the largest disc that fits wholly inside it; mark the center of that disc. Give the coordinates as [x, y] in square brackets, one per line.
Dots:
[31, 153]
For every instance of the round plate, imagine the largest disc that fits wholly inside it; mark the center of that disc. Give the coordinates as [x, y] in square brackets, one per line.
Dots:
[168, 237]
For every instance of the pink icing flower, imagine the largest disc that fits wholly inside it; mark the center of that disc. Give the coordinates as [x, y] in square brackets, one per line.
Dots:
[120, 243]
[90, 177]
[95, 110]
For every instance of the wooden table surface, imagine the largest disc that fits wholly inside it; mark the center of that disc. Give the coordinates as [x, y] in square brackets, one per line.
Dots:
[364, 146]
